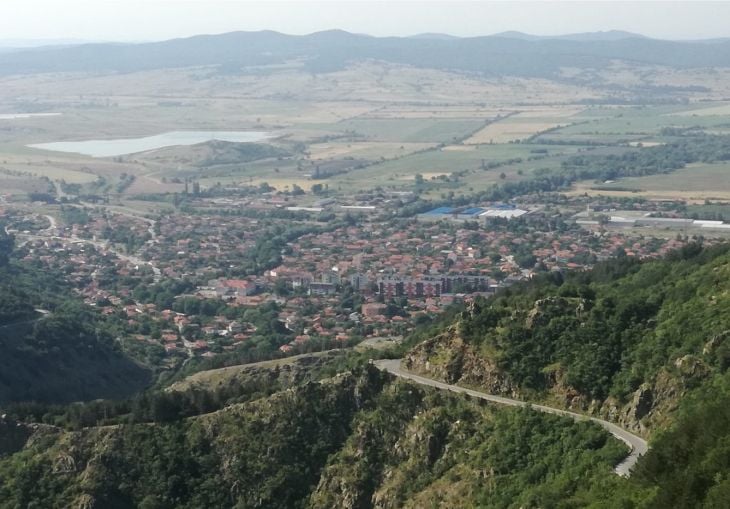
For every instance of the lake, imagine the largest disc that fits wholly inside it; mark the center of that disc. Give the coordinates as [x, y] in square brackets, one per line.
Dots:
[13, 116]
[123, 146]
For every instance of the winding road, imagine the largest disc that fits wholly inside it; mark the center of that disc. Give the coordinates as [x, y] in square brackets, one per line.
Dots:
[104, 246]
[637, 445]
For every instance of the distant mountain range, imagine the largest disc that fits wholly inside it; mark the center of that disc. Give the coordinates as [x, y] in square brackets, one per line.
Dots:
[508, 53]
[610, 35]
[37, 43]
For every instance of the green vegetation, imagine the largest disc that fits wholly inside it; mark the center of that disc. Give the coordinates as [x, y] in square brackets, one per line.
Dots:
[283, 435]
[651, 160]
[352, 438]
[688, 464]
[607, 331]
[646, 339]
[68, 354]
[74, 215]
[65, 356]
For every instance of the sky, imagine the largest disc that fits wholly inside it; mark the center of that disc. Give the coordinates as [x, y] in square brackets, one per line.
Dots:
[146, 20]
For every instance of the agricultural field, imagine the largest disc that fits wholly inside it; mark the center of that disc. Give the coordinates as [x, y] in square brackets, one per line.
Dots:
[694, 183]
[516, 161]
[371, 124]
[625, 124]
[522, 125]
[721, 110]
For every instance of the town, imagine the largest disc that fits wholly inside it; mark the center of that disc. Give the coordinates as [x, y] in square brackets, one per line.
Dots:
[214, 278]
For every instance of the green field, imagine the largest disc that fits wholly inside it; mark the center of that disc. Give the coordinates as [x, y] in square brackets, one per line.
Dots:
[362, 127]
[695, 182]
[400, 172]
[410, 130]
[610, 125]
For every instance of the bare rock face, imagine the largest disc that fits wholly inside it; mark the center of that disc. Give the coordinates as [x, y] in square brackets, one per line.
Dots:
[448, 357]
[85, 502]
[642, 402]
[713, 344]
[64, 464]
[543, 309]
[653, 402]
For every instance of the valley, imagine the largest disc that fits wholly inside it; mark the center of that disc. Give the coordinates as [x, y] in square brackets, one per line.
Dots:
[334, 270]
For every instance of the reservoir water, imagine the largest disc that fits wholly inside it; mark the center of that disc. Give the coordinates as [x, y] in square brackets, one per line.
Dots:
[123, 146]
[15, 116]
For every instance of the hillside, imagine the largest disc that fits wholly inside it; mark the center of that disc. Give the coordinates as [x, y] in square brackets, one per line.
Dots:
[62, 353]
[333, 50]
[353, 441]
[212, 153]
[642, 344]
[64, 357]
[625, 341]
[639, 343]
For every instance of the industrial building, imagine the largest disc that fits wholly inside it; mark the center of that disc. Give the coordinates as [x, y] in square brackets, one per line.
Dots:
[503, 211]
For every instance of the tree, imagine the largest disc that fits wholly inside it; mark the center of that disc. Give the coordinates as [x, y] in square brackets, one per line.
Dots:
[7, 243]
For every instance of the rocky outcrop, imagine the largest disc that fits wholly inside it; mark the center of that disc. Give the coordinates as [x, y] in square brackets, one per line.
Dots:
[544, 309]
[85, 502]
[448, 357]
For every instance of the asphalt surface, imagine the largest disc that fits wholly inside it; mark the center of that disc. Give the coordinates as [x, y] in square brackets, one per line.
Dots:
[637, 445]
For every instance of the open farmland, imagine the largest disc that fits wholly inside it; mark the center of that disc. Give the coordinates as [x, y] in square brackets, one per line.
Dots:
[517, 161]
[510, 130]
[369, 124]
[723, 109]
[17, 185]
[365, 150]
[623, 124]
[55, 169]
[694, 183]
[410, 130]
[521, 125]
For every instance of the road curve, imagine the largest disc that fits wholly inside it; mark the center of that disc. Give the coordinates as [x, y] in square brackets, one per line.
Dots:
[637, 444]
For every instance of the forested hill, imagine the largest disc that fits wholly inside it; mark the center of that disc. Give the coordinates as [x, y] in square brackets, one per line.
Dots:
[645, 344]
[642, 343]
[625, 340]
[354, 441]
[333, 50]
[62, 353]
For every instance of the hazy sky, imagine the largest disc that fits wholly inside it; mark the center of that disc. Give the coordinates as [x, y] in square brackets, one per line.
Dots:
[126, 20]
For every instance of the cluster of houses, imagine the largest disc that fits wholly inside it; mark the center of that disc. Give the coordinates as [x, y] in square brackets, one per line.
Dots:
[427, 263]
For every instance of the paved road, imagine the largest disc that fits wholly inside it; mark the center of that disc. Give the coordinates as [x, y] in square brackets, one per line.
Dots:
[52, 220]
[637, 444]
